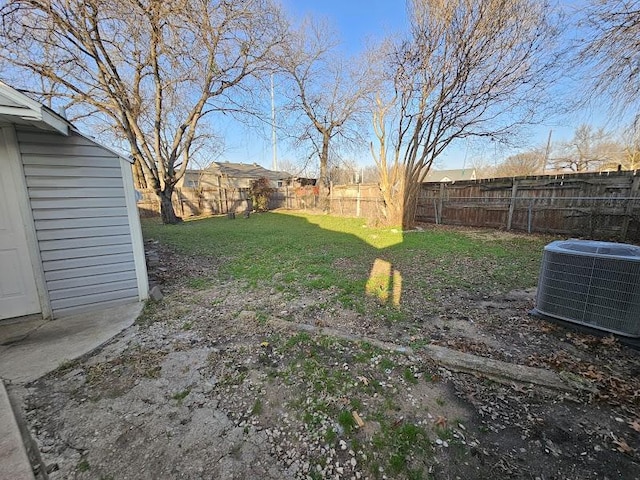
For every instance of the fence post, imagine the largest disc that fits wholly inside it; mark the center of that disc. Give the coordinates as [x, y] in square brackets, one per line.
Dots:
[440, 201]
[220, 196]
[180, 201]
[358, 203]
[628, 211]
[512, 204]
[331, 197]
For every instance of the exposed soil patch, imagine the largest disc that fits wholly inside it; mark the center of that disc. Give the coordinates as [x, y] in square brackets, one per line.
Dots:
[212, 383]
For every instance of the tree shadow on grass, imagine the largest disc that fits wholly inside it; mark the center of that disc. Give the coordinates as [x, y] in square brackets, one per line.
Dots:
[290, 250]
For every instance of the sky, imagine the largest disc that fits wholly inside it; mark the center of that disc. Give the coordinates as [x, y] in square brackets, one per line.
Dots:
[357, 21]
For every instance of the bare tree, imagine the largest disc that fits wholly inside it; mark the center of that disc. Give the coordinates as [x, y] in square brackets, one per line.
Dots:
[370, 174]
[610, 51]
[467, 69]
[298, 168]
[152, 69]
[589, 150]
[326, 93]
[287, 165]
[521, 164]
[629, 158]
[345, 172]
[391, 167]
[484, 167]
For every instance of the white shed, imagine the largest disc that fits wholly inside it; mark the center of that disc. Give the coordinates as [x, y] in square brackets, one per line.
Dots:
[70, 237]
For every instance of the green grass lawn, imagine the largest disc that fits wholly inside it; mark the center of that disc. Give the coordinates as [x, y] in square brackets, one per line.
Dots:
[294, 251]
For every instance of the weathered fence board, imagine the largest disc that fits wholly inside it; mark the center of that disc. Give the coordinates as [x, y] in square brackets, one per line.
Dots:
[591, 205]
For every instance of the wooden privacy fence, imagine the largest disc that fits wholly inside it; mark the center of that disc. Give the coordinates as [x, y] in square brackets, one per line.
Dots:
[214, 201]
[357, 200]
[345, 200]
[195, 201]
[605, 206]
[360, 200]
[598, 206]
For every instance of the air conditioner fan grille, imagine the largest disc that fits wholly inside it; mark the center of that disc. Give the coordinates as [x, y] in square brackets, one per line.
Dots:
[599, 291]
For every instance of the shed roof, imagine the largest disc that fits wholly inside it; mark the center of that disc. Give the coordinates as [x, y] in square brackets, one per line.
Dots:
[17, 108]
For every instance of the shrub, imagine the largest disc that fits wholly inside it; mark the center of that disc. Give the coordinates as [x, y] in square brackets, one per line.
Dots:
[260, 194]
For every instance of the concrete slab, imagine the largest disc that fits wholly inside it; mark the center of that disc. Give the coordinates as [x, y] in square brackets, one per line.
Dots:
[45, 348]
[14, 462]
[16, 329]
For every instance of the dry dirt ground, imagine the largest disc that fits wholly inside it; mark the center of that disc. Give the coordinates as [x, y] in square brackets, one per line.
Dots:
[213, 382]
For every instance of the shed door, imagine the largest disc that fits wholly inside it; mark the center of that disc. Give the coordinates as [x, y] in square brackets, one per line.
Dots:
[18, 294]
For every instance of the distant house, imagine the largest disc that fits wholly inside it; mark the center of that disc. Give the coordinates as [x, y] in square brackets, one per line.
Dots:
[451, 175]
[233, 176]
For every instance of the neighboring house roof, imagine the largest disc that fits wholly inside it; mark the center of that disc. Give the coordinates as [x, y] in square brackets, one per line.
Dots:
[456, 175]
[245, 170]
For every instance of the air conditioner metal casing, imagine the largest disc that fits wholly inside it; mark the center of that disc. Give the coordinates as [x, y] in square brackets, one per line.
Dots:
[592, 283]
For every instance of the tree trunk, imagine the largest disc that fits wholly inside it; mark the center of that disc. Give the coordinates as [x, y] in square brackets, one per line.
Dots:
[394, 204]
[395, 211]
[409, 212]
[138, 176]
[400, 195]
[411, 193]
[324, 187]
[166, 206]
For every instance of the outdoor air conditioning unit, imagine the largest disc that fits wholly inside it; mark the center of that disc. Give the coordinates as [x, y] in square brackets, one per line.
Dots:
[591, 283]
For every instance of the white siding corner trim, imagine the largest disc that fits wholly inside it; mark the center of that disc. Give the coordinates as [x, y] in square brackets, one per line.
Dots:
[136, 230]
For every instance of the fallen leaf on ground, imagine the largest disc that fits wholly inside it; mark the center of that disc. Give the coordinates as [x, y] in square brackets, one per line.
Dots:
[358, 419]
[622, 445]
[519, 388]
[591, 372]
[441, 421]
[546, 328]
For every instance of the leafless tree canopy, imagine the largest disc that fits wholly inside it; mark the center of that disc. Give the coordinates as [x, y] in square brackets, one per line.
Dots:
[521, 164]
[590, 149]
[630, 143]
[150, 68]
[468, 68]
[326, 91]
[610, 53]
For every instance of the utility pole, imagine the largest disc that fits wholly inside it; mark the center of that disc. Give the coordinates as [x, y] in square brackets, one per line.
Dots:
[546, 153]
[274, 161]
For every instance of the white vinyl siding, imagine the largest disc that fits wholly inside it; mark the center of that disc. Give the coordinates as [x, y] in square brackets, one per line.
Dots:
[82, 214]
[73, 264]
[77, 197]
